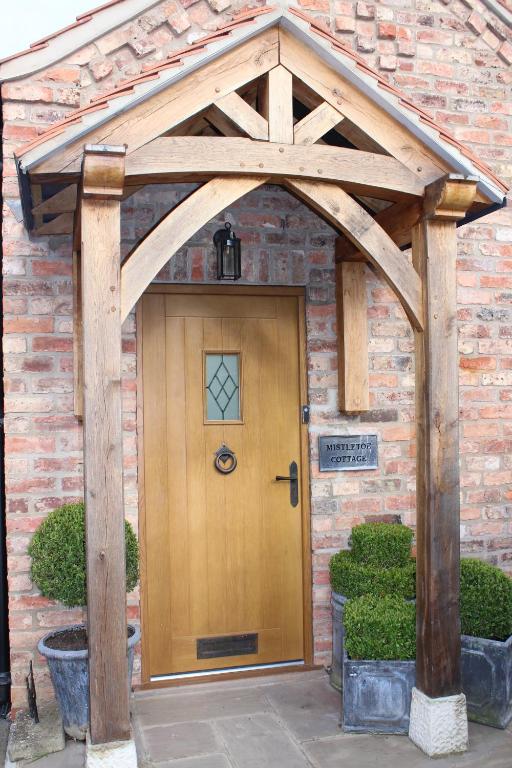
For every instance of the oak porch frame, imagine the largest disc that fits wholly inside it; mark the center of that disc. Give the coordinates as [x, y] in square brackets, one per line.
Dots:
[428, 295]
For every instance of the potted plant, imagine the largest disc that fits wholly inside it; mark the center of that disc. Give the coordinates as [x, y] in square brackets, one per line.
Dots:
[486, 623]
[379, 667]
[58, 569]
[379, 563]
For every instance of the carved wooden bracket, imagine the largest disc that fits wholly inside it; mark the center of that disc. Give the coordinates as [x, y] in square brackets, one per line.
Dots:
[103, 171]
[450, 197]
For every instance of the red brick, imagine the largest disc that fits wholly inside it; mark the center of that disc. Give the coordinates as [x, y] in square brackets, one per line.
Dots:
[15, 92]
[29, 444]
[52, 344]
[479, 363]
[42, 268]
[29, 325]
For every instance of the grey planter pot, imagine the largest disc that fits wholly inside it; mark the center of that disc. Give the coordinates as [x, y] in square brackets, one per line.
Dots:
[377, 695]
[487, 680]
[69, 671]
[338, 605]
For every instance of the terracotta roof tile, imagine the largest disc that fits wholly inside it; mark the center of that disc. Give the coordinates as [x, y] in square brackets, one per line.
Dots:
[83, 18]
[404, 101]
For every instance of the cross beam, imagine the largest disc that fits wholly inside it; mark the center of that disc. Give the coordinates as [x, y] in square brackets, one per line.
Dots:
[180, 157]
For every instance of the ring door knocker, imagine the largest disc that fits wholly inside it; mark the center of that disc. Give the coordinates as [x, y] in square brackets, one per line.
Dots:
[225, 460]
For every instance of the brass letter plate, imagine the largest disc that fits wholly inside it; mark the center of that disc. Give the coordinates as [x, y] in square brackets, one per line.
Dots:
[228, 645]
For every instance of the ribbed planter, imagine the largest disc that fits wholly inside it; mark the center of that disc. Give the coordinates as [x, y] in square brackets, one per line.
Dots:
[377, 695]
[338, 605]
[69, 671]
[487, 680]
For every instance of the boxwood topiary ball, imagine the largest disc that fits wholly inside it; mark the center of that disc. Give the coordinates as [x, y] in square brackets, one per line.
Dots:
[353, 579]
[383, 545]
[485, 600]
[57, 550]
[380, 628]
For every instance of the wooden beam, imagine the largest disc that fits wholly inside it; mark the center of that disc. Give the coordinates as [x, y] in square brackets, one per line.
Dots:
[221, 123]
[37, 196]
[280, 105]
[437, 456]
[352, 325]
[315, 125]
[168, 158]
[361, 109]
[78, 351]
[60, 225]
[331, 202]
[171, 106]
[62, 202]
[103, 455]
[244, 116]
[173, 231]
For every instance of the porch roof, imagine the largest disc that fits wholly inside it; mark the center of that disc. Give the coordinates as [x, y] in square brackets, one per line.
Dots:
[453, 155]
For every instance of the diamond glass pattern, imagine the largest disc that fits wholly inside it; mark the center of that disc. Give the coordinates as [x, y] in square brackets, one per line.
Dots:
[222, 387]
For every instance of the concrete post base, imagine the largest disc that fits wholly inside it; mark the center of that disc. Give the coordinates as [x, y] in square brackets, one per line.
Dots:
[116, 754]
[439, 726]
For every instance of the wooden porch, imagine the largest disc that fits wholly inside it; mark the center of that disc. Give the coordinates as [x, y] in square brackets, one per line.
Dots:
[245, 115]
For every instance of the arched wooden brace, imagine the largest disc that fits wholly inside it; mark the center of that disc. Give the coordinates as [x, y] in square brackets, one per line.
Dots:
[161, 243]
[148, 258]
[331, 202]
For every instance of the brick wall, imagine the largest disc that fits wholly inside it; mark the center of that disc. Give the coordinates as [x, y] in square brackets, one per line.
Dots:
[452, 58]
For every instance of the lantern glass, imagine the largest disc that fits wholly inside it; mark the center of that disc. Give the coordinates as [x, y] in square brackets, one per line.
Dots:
[229, 256]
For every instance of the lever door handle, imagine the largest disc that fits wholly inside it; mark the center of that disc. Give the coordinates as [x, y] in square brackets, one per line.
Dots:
[293, 479]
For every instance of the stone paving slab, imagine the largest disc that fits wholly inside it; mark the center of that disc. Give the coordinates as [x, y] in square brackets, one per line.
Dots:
[164, 742]
[200, 705]
[309, 708]
[255, 741]
[29, 740]
[73, 756]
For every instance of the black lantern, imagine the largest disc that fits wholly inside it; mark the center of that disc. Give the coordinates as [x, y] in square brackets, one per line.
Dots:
[229, 254]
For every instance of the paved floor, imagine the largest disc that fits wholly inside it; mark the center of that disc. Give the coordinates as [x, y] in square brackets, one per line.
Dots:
[283, 721]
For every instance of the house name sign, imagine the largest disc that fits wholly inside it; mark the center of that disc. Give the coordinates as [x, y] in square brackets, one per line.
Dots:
[340, 453]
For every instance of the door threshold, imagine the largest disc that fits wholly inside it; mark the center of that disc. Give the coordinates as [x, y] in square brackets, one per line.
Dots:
[225, 671]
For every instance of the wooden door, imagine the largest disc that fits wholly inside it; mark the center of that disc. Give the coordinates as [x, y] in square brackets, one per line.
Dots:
[224, 552]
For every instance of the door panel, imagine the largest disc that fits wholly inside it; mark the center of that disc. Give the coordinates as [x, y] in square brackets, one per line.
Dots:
[223, 551]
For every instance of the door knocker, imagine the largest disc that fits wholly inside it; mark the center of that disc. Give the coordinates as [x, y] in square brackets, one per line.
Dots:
[225, 460]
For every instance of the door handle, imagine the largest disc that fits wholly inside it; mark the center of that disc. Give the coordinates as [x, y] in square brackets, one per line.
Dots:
[293, 479]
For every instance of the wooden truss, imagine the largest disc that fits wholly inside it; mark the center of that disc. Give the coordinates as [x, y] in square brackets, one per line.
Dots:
[233, 125]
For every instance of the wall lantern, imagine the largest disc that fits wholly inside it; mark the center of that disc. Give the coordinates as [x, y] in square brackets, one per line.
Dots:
[229, 254]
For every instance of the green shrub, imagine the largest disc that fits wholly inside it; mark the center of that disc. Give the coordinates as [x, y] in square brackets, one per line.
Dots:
[384, 545]
[380, 628]
[58, 556]
[485, 600]
[353, 579]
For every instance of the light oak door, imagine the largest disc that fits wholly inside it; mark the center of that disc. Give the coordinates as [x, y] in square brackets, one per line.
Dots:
[223, 550]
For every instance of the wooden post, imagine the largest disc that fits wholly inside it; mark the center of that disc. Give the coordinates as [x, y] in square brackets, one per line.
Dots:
[437, 414]
[352, 324]
[103, 177]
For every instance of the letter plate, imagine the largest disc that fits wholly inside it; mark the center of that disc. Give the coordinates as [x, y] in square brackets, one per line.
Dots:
[347, 452]
[228, 645]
